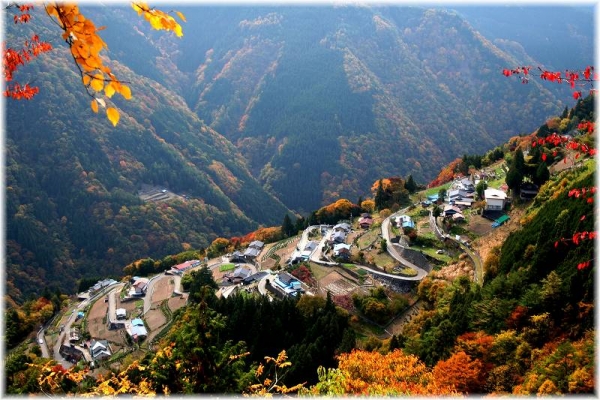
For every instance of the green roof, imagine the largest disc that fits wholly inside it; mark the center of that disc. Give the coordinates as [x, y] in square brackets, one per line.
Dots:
[502, 219]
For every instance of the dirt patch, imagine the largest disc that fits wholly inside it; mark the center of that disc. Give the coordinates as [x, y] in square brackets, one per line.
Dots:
[453, 271]
[497, 236]
[424, 227]
[479, 225]
[162, 289]
[97, 324]
[335, 283]
[155, 318]
[177, 302]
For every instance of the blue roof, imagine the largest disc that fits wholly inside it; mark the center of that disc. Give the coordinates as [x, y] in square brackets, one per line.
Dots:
[433, 197]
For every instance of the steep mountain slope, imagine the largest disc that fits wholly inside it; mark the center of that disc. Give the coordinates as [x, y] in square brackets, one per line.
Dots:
[254, 111]
[321, 101]
[72, 207]
[557, 36]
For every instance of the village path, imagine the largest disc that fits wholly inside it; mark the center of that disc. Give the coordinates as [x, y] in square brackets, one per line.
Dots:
[391, 248]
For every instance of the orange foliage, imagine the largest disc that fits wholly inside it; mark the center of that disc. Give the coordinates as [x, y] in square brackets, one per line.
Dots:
[342, 206]
[446, 174]
[475, 344]
[389, 184]
[269, 235]
[461, 372]
[395, 373]
[85, 44]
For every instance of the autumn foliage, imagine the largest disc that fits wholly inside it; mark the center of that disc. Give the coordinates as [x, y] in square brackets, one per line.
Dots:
[372, 373]
[575, 79]
[86, 45]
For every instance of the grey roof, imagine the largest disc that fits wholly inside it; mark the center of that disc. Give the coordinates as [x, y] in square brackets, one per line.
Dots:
[338, 236]
[286, 278]
[343, 226]
[251, 252]
[311, 245]
[257, 244]
[241, 272]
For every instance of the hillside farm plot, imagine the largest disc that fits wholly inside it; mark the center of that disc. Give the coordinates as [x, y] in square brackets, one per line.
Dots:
[157, 194]
[479, 225]
[278, 253]
[163, 289]
[177, 302]
[335, 283]
[97, 324]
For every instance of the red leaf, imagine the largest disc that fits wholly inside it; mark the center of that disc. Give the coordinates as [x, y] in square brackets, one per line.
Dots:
[582, 218]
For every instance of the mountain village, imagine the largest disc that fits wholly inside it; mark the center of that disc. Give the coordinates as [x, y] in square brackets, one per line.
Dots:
[112, 318]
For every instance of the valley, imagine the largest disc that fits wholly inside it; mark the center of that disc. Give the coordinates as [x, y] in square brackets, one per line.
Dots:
[250, 213]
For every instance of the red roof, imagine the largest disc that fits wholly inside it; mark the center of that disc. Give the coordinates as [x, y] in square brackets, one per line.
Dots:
[185, 265]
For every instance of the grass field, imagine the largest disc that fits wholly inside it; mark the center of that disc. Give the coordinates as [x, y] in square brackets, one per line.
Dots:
[226, 267]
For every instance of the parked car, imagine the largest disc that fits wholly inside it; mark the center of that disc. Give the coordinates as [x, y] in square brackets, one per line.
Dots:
[41, 341]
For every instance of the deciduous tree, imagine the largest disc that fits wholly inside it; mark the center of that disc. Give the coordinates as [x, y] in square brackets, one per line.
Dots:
[86, 47]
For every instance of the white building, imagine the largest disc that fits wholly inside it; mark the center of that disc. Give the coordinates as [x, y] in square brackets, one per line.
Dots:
[494, 199]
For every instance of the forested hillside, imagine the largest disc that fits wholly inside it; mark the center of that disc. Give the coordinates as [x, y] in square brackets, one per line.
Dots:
[254, 112]
[365, 92]
[72, 180]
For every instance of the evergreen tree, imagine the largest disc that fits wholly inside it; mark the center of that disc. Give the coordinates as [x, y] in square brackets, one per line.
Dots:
[300, 224]
[394, 343]
[516, 172]
[287, 228]
[202, 285]
[543, 131]
[380, 202]
[542, 174]
[480, 188]
[410, 184]
[442, 193]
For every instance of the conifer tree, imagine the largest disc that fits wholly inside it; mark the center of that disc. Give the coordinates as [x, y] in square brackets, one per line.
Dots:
[287, 228]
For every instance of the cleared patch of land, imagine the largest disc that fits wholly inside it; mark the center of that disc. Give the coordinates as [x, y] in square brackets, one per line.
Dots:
[157, 194]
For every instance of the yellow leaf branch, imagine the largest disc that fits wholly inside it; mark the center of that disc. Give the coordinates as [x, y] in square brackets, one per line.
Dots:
[85, 44]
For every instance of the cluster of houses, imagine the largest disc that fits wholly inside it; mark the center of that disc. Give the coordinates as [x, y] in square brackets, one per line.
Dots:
[336, 240]
[462, 196]
[250, 254]
[92, 351]
[280, 285]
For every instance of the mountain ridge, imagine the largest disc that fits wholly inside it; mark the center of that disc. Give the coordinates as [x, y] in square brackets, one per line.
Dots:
[303, 131]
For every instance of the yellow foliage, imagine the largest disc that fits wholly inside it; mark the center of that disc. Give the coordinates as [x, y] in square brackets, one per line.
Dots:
[82, 37]
[159, 20]
[270, 384]
[113, 115]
